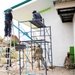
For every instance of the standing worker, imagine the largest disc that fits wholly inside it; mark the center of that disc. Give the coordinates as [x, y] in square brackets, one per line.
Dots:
[38, 56]
[8, 22]
[36, 16]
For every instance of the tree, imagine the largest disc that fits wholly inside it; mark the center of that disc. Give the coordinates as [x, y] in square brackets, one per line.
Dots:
[1, 39]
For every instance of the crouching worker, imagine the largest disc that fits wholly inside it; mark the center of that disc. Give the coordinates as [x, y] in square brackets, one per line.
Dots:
[36, 16]
[68, 61]
[38, 56]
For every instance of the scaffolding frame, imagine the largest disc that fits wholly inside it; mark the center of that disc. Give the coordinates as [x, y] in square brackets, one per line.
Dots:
[45, 32]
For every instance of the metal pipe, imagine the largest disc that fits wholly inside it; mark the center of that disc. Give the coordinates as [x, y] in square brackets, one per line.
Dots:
[19, 51]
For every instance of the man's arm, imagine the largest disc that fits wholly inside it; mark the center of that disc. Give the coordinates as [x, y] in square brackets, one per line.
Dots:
[10, 17]
[34, 16]
[65, 60]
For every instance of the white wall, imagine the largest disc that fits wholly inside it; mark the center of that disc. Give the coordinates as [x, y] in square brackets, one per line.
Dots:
[74, 33]
[62, 35]
[74, 27]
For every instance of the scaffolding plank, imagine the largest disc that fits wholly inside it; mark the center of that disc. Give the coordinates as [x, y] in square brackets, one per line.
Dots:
[39, 41]
[37, 23]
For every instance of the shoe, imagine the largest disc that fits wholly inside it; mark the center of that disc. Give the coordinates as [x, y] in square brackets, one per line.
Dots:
[5, 35]
[9, 35]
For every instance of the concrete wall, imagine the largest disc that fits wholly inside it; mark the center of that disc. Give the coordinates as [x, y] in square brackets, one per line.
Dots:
[74, 28]
[62, 35]
[74, 33]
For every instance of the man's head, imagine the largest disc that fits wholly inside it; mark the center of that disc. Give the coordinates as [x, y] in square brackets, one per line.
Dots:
[68, 54]
[10, 10]
[34, 11]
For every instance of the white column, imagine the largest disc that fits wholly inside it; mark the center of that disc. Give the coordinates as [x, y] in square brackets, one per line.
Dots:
[74, 33]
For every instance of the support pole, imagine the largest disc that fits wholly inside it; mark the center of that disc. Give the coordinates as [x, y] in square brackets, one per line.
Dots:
[19, 51]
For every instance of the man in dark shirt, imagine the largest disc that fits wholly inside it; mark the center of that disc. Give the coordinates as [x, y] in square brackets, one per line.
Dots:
[8, 22]
[36, 16]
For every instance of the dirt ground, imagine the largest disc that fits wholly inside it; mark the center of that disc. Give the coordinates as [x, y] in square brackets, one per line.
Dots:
[55, 71]
[27, 70]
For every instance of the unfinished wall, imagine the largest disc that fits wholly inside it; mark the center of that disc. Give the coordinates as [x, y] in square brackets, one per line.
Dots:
[62, 35]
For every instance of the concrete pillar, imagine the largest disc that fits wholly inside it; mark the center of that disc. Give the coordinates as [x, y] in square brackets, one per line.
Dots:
[74, 34]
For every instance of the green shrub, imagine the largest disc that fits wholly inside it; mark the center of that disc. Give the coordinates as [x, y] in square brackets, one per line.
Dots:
[3, 61]
[14, 42]
[14, 54]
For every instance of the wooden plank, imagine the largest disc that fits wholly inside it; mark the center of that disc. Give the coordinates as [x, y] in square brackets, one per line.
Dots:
[37, 23]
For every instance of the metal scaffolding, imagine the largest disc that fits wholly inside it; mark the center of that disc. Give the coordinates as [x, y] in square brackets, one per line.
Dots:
[43, 38]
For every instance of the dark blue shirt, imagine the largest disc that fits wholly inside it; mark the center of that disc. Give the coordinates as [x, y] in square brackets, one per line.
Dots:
[37, 16]
[8, 16]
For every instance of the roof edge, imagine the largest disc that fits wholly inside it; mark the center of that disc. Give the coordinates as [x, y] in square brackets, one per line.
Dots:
[19, 4]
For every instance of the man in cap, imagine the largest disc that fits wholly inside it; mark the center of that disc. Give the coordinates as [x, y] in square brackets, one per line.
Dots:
[8, 22]
[38, 56]
[68, 61]
[36, 16]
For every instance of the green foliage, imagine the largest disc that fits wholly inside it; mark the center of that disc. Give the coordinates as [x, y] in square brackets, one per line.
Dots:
[13, 55]
[14, 42]
[3, 61]
[0, 39]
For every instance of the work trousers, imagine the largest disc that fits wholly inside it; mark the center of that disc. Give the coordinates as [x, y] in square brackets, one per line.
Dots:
[38, 58]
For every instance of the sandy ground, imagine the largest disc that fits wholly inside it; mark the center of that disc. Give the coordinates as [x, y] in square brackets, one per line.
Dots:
[27, 70]
[56, 71]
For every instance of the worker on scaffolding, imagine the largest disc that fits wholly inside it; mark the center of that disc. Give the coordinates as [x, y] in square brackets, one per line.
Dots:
[8, 22]
[68, 61]
[36, 16]
[38, 56]
[8, 56]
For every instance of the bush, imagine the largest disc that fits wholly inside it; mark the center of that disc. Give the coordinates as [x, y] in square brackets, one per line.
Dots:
[14, 42]
[3, 61]
[14, 54]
